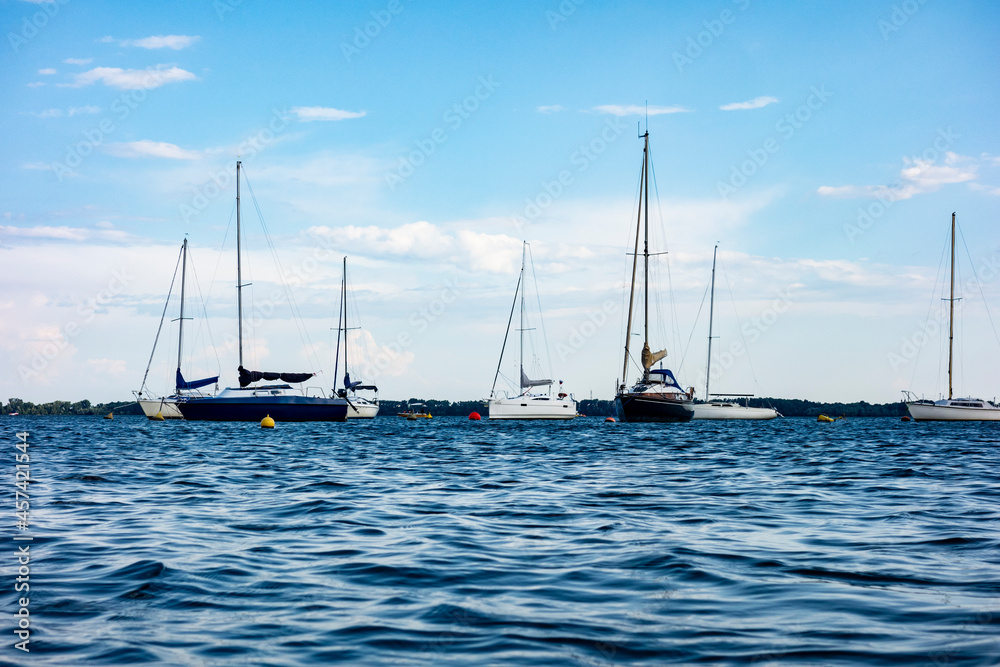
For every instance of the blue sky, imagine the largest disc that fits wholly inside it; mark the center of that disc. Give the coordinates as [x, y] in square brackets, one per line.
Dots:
[823, 146]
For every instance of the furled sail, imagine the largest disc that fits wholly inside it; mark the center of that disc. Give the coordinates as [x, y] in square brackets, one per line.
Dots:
[348, 384]
[526, 383]
[246, 377]
[650, 358]
[193, 384]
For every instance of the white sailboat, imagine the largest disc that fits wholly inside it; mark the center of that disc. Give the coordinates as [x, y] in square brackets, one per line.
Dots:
[527, 404]
[951, 409]
[359, 406]
[716, 408]
[167, 407]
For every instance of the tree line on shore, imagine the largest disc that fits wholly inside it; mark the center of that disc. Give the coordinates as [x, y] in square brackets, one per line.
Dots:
[788, 407]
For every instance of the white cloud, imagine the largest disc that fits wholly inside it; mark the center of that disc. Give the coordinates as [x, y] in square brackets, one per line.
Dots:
[555, 108]
[36, 84]
[78, 61]
[47, 70]
[175, 42]
[47, 113]
[755, 103]
[916, 177]
[107, 39]
[307, 114]
[132, 79]
[84, 109]
[147, 148]
[58, 113]
[637, 110]
[64, 233]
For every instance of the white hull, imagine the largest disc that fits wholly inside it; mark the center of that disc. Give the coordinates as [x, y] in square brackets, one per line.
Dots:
[532, 407]
[358, 409]
[923, 412]
[731, 411]
[166, 406]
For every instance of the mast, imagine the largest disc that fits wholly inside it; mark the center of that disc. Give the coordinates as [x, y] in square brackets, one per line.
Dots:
[524, 247]
[180, 327]
[340, 326]
[239, 275]
[343, 300]
[635, 263]
[711, 309]
[951, 305]
[645, 255]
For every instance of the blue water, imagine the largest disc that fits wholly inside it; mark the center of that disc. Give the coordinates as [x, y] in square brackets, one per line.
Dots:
[444, 541]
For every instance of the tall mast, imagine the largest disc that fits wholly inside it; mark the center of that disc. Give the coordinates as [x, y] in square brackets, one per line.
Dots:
[239, 275]
[340, 326]
[635, 263]
[524, 247]
[645, 253]
[951, 305]
[343, 300]
[711, 309]
[180, 328]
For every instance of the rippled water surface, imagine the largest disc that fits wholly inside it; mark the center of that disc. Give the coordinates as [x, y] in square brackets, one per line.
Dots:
[445, 541]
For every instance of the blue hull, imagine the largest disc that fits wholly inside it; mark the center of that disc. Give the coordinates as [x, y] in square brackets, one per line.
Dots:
[255, 408]
[631, 407]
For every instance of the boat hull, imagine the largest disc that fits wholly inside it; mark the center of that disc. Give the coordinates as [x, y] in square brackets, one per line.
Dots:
[361, 410]
[255, 408]
[647, 407]
[924, 412]
[531, 407]
[165, 407]
[731, 411]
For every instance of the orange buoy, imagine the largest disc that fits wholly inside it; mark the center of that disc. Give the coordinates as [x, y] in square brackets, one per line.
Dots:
[474, 416]
[610, 419]
[904, 418]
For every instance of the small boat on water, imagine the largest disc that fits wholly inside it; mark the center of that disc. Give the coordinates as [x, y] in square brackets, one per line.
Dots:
[158, 408]
[656, 396]
[527, 404]
[824, 418]
[951, 409]
[279, 401]
[722, 409]
[359, 406]
[415, 411]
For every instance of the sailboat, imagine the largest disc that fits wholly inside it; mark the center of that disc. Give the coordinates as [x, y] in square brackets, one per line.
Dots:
[951, 409]
[656, 396]
[722, 409]
[253, 403]
[166, 407]
[358, 407]
[527, 404]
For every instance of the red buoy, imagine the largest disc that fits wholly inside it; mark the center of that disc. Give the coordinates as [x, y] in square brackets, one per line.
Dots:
[474, 416]
[610, 419]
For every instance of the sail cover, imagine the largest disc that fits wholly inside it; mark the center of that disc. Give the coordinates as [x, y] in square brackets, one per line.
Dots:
[193, 384]
[348, 384]
[526, 383]
[667, 377]
[650, 358]
[246, 377]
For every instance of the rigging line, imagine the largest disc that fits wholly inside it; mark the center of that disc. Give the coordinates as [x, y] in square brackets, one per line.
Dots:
[746, 348]
[979, 283]
[162, 317]
[505, 334]
[541, 320]
[204, 311]
[930, 306]
[296, 313]
[626, 267]
[693, 327]
[674, 327]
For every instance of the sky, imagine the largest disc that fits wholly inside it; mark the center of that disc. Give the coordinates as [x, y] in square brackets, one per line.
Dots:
[822, 145]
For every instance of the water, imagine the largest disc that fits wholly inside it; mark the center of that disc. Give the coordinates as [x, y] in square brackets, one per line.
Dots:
[444, 541]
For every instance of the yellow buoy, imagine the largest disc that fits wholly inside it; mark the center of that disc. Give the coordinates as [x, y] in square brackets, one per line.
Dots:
[110, 415]
[158, 417]
[824, 418]
[267, 422]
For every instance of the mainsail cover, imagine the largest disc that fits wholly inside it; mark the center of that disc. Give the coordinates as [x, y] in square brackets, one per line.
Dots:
[650, 358]
[193, 384]
[246, 377]
[526, 383]
[667, 377]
